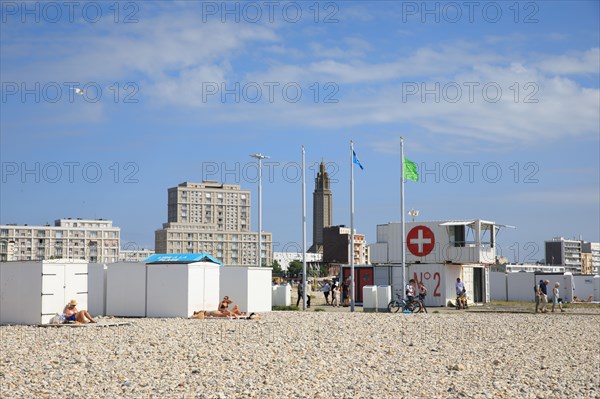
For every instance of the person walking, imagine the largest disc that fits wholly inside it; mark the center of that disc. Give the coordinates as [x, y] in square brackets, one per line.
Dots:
[544, 296]
[345, 296]
[536, 289]
[301, 295]
[326, 289]
[335, 295]
[556, 300]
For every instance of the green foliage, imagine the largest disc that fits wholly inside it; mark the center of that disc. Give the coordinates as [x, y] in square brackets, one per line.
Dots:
[276, 268]
[319, 310]
[295, 268]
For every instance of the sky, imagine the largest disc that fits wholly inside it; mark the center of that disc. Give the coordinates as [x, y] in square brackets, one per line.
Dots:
[498, 104]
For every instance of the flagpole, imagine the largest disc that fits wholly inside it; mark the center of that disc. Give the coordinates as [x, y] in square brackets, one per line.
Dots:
[351, 226]
[403, 248]
[304, 286]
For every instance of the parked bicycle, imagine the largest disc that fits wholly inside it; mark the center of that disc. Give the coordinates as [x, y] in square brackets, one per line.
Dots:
[414, 306]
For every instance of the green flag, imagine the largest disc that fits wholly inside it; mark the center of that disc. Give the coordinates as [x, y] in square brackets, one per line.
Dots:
[410, 170]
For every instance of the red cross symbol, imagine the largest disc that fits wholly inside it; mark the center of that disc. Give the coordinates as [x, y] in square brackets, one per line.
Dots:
[420, 240]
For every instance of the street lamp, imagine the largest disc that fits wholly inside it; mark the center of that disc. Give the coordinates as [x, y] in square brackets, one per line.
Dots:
[413, 213]
[260, 157]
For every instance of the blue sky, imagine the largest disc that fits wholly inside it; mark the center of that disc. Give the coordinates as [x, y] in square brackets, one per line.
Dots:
[498, 103]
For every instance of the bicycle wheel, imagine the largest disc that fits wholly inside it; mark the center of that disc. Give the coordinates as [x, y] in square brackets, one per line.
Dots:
[394, 306]
[409, 306]
[417, 307]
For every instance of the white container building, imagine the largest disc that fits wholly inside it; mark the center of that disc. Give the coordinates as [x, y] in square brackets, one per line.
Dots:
[437, 253]
[369, 298]
[179, 284]
[248, 287]
[281, 295]
[126, 289]
[32, 292]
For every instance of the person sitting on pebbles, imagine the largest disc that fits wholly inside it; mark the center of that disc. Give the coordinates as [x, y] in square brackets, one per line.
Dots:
[224, 308]
[77, 316]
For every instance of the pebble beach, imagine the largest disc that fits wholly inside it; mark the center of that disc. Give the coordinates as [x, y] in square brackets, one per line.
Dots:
[309, 355]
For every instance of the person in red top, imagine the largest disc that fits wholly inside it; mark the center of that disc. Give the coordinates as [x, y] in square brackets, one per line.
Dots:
[78, 316]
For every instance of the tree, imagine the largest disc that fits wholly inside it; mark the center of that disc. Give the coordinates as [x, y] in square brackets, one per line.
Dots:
[295, 268]
[276, 267]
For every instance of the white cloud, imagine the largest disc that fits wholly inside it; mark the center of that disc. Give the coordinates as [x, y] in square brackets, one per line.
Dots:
[587, 62]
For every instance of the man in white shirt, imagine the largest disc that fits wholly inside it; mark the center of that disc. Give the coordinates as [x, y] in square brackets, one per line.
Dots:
[410, 290]
[460, 287]
[461, 294]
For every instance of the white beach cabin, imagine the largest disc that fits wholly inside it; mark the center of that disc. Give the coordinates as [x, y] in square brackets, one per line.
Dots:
[249, 287]
[179, 284]
[32, 292]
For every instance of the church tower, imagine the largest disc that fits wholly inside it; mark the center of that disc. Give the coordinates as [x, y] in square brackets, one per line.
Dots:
[322, 208]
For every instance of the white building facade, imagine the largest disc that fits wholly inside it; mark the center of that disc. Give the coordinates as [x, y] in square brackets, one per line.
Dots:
[93, 240]
[213, 218]
[135, 255]
[284, 258]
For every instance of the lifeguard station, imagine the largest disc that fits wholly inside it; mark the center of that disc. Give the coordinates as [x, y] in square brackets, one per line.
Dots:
[437, 253]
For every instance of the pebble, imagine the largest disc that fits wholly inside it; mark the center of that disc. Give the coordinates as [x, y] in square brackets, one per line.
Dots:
[309, 355]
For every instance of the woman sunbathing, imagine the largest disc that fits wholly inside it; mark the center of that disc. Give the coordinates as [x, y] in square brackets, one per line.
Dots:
[576, 299]
[74, 315]
[235, 311]
[205, 314]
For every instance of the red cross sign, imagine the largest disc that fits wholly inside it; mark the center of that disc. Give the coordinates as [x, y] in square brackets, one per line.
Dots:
[420, 240]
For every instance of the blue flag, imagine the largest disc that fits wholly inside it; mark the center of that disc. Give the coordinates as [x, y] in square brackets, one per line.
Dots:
[356, 161]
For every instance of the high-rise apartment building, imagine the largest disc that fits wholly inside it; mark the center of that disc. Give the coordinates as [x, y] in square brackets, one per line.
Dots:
[91, 240]
[593, 249]
[322, 208]
[563, 252]
[213, 218]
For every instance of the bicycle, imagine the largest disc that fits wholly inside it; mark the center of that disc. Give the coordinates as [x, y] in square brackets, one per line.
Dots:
[414, 306]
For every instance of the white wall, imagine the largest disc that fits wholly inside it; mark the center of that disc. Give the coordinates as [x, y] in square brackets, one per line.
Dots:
[521, 286]
[211, 293]
[167, 290]
[126, 289]
[584, 287]
[20, 288]
[384, 297]
[439, 279]
[498, 286]
[259, 289]
[97, 289]
[248, 287]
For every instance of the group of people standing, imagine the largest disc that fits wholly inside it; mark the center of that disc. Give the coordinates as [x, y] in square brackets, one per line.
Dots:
[333, 288]
[412, 289]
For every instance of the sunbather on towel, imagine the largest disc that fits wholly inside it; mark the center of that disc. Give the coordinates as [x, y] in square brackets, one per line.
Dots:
[78, 316]
[575, 299]
[224, 307]
[204, 314]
